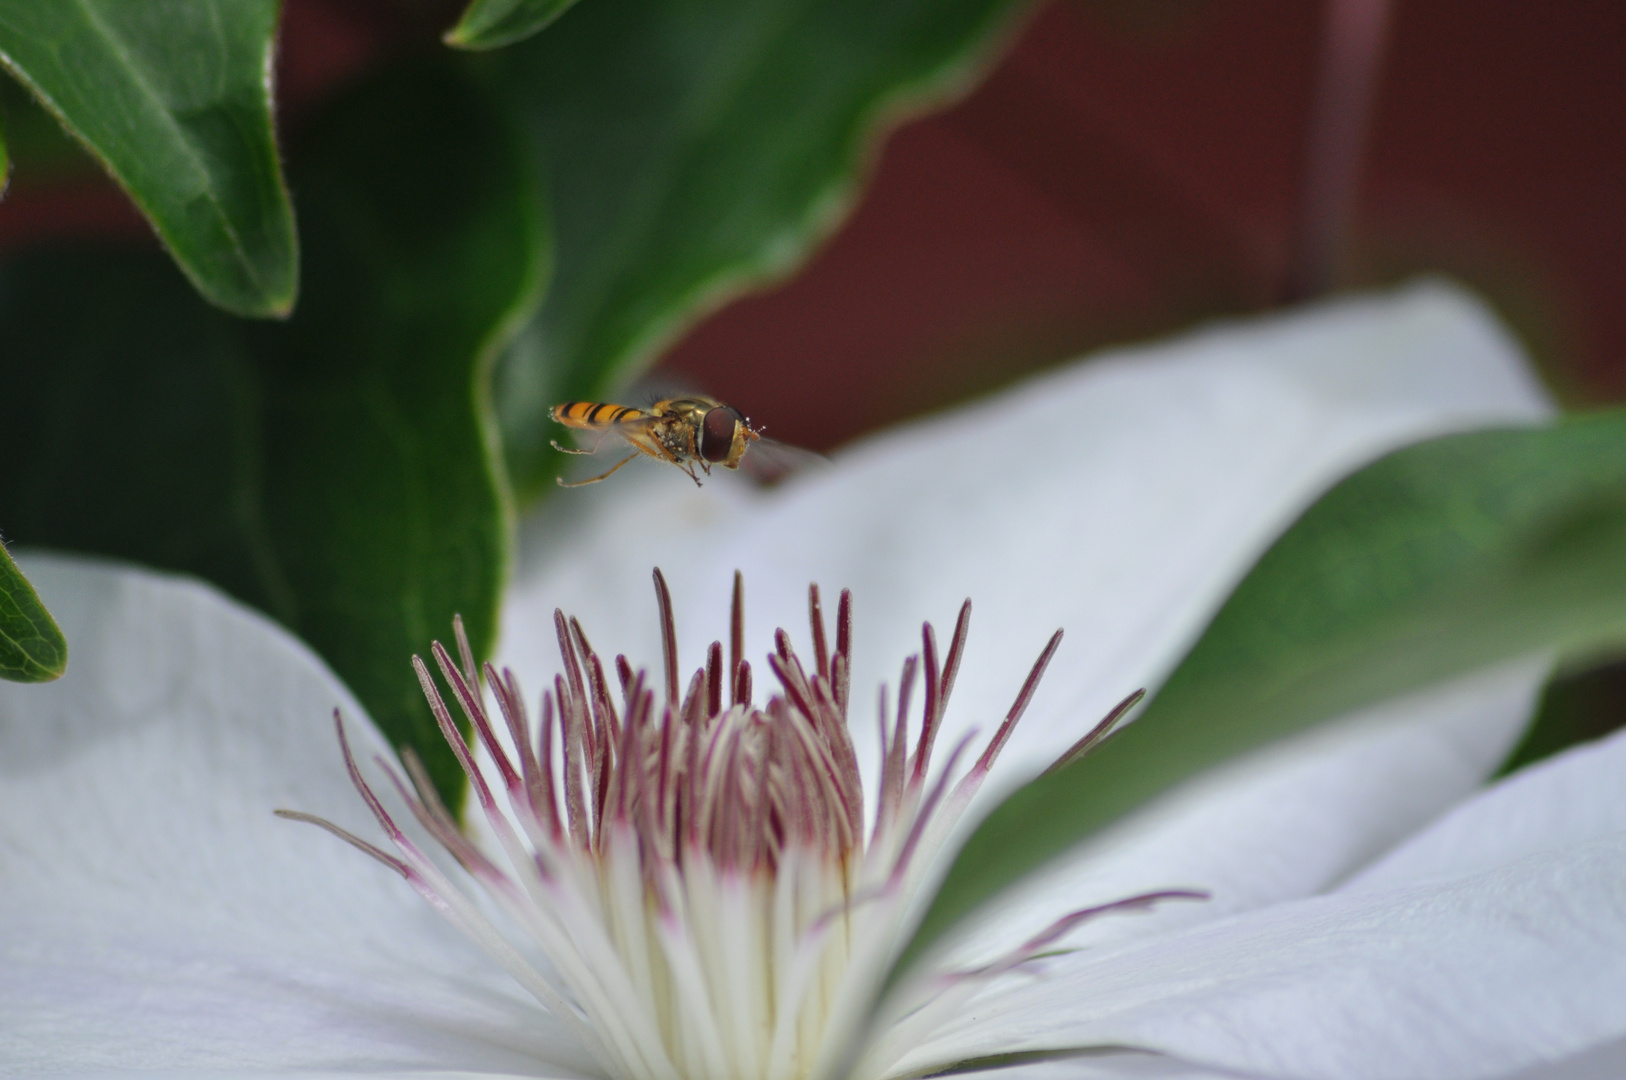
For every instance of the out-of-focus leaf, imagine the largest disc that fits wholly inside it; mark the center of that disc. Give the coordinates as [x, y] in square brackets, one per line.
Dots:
[133, 417]
[174, 98]
[5, 161]
[386, 502]
[32, 648]
[489, 24]
[694, 148]
[1441, 558]
[337, 470]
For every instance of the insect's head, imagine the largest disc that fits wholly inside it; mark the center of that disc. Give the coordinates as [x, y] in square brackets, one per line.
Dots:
[724, 435]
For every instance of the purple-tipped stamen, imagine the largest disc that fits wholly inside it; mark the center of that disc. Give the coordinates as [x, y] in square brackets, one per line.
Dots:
[690, 864]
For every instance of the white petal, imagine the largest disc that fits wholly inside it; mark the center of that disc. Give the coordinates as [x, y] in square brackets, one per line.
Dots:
[1105, 1065]
[214, 1073]
[1490, 942]
[1572, 798]
[1285, 822]
[1603, 1062]
[154, 915]
[1121, 498]
[1474, 977]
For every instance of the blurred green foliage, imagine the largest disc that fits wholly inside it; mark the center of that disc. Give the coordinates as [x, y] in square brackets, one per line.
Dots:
[491, 24]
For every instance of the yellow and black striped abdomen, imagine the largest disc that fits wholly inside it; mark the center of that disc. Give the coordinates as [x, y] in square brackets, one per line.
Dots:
[594, 415]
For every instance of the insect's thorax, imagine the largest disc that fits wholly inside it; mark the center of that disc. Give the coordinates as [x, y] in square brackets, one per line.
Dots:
[677, 436]
[688, 410]
[680, 419]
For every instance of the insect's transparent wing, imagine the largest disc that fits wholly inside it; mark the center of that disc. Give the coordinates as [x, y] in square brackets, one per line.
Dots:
[660, 385]
[769, 461]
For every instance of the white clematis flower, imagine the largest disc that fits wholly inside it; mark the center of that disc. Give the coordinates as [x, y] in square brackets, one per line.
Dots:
[1372, 913]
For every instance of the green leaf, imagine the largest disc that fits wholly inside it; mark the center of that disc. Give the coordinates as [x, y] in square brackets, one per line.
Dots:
[387, 502]
[32, 649]
[696, 148]
[1440, 559]
[174, 98]
[490, 24]
[5, 163]
[338, 470]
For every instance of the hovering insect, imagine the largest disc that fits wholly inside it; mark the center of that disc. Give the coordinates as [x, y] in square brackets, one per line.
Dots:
[685, 431]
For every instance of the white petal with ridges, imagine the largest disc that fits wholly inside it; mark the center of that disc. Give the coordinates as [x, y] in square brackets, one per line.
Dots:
[1105, 1065]
[1573, 798]
[1469, 978]
[1288, 821]
[1490, 943]
[155, 915]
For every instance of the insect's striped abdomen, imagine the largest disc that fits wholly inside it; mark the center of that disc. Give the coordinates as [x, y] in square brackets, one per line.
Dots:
[593, 414]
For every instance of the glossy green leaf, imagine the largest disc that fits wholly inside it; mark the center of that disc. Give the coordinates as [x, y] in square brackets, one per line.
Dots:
[490, 24]
[1440, 559]
[174, 98]
[32, 648]
[337, 470]
[695, 148]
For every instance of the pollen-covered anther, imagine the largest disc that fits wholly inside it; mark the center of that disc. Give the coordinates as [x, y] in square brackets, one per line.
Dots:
[713, 897]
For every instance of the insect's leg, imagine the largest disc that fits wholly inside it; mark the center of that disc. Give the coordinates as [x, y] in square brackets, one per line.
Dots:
[583, 483]
[656, 447]
[598, 442]
[662, 451]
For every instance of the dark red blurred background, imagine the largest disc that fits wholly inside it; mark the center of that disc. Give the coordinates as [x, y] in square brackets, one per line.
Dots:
[1121, 175]
[1128, 169]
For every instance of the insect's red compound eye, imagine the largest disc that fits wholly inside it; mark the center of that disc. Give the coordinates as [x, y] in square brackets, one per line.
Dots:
[717, 433]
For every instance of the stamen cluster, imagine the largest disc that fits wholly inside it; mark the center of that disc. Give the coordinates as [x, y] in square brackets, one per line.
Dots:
[700, 873]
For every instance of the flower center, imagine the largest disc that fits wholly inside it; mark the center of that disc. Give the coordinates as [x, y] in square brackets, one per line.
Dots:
[700, 873]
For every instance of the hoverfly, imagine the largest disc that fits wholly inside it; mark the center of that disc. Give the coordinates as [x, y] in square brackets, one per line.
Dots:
[686, 431]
